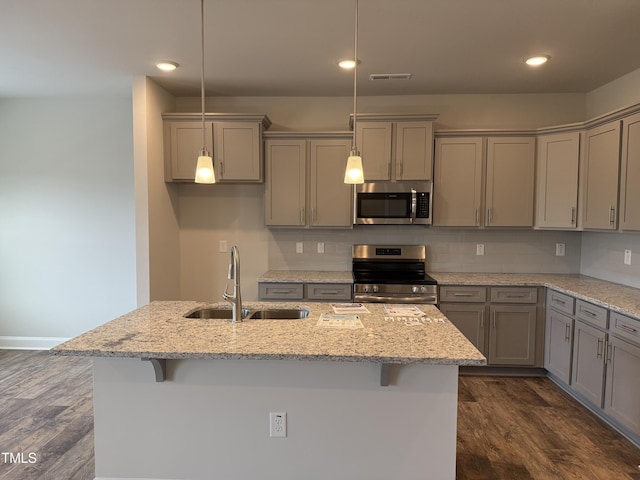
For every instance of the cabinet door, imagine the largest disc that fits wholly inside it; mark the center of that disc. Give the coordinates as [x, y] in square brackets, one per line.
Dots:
[630, 174]
[623, 388]
[185, 143]
[285, 191]
[601, 165]
[510, 181]
[469, 319]
[374, 143]
[558, 342]
[414, 151]
[557, 180]
[587, 376]
[457, 188]
[512, 335]
[331, 199]
[238, 154]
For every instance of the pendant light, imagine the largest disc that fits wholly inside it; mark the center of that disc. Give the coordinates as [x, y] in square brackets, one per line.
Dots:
[353, 173]
[204, 168]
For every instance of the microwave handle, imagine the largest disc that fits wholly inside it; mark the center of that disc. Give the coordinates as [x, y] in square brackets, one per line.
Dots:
[414, 202]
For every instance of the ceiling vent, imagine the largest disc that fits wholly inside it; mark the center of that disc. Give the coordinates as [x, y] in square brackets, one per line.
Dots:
[390, 76]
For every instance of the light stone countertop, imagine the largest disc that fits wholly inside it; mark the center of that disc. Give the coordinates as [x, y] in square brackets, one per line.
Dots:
[616, 297]
[305, 276]
[159, 330]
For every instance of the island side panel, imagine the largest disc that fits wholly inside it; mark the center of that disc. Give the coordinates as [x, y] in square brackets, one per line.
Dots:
[210, 419]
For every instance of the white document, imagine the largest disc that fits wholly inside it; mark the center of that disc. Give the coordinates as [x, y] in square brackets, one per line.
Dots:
[328, 320]
[349, 308]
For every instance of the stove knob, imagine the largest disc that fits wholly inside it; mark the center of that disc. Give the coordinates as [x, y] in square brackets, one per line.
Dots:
[423, 289]
[414, 289]
[375, 289]
[366, 289]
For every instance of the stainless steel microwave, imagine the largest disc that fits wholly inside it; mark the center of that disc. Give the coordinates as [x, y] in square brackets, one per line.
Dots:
[386, 203]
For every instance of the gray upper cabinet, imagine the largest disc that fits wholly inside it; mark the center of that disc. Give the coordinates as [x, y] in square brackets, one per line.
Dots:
[601, 170]
[630, 174]
[558, 160]
[457, 182]
[395, 149]
[234, 140]
[510, 182]
[285, 191]
[305, 183]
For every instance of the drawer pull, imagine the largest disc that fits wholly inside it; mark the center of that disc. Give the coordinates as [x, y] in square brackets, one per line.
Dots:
[590, 313]
[281, 291]
[457, 294]
[627, 328]
[557, 300]
[519, 295]
[329, 292]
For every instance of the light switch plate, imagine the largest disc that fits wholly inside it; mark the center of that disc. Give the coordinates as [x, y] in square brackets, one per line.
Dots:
[559, 249]
[627, 257]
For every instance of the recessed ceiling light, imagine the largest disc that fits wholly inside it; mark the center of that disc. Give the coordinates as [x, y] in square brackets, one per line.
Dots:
[167, 66]
[537, 60]
[347, 64]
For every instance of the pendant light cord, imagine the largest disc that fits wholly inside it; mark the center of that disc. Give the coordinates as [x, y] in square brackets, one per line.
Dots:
[354, 148]
[204, 145]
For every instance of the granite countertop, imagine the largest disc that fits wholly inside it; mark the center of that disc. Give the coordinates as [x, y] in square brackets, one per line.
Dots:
[159, 330]
[305, 276]
[616, 297]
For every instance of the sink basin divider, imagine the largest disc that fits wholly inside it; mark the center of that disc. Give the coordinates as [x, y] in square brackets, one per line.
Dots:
[159, 367]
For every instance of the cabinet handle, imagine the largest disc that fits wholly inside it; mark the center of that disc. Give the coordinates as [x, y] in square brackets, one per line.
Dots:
[488, 216]
[401, 169]
[557, 300]
[626, 328]
[329, 292]
[493, 320]
[313, 214]
[567, 332]
[281, 292]
[221, 169]
[612, 215]
[516, 295]
[389, 170]
[607, 352]
[302, 216]
[482, 319]
[573, 215]
[477, 217]
[458, 294]
[600, 346]
[590, 313]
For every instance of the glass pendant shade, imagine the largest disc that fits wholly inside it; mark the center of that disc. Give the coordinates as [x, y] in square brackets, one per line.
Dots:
[353, 173]
[204, 169]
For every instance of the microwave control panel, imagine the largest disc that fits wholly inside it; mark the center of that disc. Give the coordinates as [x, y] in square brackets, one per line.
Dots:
[422, 205]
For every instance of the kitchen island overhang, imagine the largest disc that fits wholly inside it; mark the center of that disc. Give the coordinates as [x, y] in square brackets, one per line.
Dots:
[210, 419]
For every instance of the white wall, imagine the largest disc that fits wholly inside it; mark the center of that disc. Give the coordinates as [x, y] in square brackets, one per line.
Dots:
[67, 239]
[620, 93]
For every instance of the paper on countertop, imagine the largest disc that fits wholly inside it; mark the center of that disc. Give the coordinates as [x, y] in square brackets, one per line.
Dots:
[329, 320]
[349, 308]
[403, 310]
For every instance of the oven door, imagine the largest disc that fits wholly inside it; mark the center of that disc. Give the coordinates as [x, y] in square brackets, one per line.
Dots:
[394, 208]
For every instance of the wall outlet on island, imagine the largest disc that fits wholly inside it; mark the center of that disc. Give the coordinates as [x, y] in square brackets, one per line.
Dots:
[299, 248]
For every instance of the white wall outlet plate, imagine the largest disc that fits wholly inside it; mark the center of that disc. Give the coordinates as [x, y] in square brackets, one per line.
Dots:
[299, 248]
[223, 246]
[277, 424]
[320, 247]
[559, 249]
[480, 249]
[627, 257]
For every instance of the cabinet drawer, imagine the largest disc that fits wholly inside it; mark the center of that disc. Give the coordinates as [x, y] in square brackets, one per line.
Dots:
[463, 294]
[626, 327]
[592, 314]
[281, 291]
[561, 302]
[328, 291]
[514, 295]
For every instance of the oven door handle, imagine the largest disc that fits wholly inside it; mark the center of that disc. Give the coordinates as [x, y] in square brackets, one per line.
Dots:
[431, 299]
[414, 204]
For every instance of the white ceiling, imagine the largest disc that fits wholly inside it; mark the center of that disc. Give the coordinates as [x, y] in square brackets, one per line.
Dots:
[290, 47]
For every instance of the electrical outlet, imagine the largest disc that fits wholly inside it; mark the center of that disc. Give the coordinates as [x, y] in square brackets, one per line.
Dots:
[320, 247]
[559, 249]
[277, 424]
[299, 248]
[223, 246]
[627, 257]
[480, 249]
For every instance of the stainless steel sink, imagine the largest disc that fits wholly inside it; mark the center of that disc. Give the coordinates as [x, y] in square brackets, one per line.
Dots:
[213, 313]
[280, 314]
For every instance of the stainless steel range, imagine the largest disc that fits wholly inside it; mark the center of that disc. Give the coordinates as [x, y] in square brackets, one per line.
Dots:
[392, 274]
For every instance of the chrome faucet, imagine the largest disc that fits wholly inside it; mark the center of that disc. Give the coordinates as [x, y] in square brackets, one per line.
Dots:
[234, 274]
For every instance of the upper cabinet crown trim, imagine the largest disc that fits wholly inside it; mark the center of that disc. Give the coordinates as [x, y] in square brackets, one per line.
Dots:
[306, 135]
[394, 117]
[221, 117]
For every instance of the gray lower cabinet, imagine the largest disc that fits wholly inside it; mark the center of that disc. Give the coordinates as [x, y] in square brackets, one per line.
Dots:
[587, 376]
[305, 291]
[502, 322]
[558, 345]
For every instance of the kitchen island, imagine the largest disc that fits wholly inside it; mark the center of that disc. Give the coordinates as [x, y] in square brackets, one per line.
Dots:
[374, 402]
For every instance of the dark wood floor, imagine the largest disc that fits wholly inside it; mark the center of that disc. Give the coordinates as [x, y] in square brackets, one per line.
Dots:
[508, 428]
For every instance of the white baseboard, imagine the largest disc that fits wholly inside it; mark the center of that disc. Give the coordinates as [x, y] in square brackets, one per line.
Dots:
[30, 343]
